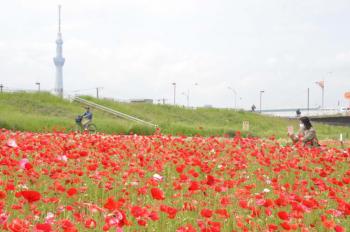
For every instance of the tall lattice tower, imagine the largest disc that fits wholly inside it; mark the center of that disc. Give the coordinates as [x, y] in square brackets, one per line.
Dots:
[59, 60]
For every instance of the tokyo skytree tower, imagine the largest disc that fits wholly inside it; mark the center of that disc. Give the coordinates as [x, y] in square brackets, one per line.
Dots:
[59, 60]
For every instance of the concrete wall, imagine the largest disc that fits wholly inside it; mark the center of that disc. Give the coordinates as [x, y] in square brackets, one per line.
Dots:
[334, 120]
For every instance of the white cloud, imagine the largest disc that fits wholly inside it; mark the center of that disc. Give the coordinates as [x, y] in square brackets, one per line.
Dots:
[136, 49]
[343, 57]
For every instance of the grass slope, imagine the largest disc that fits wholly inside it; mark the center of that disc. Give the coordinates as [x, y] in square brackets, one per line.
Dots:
[209, 121]
[44, 112]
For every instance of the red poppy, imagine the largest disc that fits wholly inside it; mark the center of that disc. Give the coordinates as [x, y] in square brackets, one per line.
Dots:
[154, 216]
[210, 180]
[206, 213]
[141, 222]
[283, 215]
[243, 204]
[31, 196]
[339, 228]
[2, 195]
[45, 227]
[169, 210]
[10, 187]
[18, 225]
[71, 192]
[68, 226]
[268, 203]
[111, 204]
[286, 226]
[194, 185]
[90, 223]
[157, 194]
[138, 211]
[272, 227]
[186, 228]
[223, 213]
[28, 166]
[225, 201]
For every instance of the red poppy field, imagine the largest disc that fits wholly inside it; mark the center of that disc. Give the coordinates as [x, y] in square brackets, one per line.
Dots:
[77, 182]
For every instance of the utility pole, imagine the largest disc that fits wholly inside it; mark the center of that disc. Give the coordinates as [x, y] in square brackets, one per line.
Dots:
[261, 92]
[97, 93]
[174, 84]
[1, 86]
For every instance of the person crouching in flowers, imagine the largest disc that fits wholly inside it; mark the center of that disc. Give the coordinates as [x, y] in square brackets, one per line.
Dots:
[307, 134]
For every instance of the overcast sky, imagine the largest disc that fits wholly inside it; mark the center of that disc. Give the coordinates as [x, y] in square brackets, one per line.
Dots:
[136, 49]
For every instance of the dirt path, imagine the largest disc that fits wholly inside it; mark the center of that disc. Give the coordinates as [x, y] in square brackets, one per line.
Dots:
[335, 143]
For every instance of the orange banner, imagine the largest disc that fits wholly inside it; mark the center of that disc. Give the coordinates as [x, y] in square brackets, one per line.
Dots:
[347, 95]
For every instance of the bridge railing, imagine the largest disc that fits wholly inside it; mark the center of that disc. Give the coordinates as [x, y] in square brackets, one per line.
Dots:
[310, 112]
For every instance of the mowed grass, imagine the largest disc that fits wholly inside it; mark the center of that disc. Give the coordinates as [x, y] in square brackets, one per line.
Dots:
[42, 112]
[213, 121]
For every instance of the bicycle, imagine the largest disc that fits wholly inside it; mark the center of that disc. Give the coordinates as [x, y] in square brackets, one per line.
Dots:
[91, 128]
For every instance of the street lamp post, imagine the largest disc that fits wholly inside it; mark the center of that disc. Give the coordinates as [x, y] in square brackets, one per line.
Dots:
[195, 85]
[188, 94]
[38, 84]
[174, 84]
[187, 97]
[261, 92]
[235, 96]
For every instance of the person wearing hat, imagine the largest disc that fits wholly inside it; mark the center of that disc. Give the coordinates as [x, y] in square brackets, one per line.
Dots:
[307, 134]
[87, 118]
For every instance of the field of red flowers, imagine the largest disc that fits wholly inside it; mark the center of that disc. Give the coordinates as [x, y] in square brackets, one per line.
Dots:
[77, 182]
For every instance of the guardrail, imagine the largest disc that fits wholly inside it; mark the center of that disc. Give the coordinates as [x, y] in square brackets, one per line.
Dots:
[112, 111]
[289, 110]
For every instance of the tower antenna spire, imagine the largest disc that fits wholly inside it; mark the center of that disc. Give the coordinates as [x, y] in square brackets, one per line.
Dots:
[59, 18]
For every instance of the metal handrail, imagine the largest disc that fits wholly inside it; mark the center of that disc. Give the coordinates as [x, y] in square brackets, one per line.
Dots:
[112, 111]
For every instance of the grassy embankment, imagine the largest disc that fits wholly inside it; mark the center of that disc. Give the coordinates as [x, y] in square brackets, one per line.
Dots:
[44, 112]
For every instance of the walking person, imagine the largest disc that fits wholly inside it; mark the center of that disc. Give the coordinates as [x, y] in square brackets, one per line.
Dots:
[253, 108]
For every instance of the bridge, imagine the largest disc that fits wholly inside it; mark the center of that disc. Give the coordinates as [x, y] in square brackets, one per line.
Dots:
[327, 116]
[289, 110]
[336, 120]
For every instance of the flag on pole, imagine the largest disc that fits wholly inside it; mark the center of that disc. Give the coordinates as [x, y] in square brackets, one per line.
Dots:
[320, 83]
